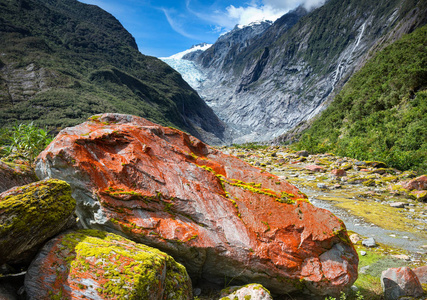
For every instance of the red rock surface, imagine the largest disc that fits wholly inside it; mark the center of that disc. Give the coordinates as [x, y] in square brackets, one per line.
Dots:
[315, 168]
[400, 282]
[219, 216]
[91, 264]
[338, 172]
[419, 183]
[421, 273]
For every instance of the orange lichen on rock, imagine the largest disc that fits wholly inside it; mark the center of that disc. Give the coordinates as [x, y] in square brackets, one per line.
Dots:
[216, 214]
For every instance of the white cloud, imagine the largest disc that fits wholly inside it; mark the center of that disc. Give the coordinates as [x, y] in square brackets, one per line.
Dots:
[177, 24]
[222, 20]
[255, 10]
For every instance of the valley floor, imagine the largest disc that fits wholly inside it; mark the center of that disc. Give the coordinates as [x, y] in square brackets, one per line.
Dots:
[361, 194]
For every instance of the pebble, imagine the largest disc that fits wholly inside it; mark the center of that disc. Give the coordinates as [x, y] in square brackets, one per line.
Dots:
[197, 292]
[363, 253]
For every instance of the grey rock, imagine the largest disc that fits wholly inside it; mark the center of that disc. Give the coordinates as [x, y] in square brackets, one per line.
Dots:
[369, 242]
[322, 185]
[398, 204]
[363, 253]
[252, 291]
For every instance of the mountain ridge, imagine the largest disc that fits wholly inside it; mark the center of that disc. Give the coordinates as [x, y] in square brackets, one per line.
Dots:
[67, 61]
[290, 72]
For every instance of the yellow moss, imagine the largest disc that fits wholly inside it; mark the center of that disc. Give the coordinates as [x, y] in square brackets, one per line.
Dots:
[377, 213]
[41, 204]
[131, 270]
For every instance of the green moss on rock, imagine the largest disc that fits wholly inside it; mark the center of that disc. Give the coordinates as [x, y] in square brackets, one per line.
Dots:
[31, 214]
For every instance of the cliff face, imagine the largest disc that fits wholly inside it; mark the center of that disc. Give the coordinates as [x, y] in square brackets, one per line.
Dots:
[63, 61]
[266, 84]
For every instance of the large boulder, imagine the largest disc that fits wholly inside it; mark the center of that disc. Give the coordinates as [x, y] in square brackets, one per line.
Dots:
[30, 215]
[400, 282]
[91, 264]
[219, 216]
[14, 174]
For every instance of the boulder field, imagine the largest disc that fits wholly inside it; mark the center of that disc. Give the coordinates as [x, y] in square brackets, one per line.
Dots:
[215, 214]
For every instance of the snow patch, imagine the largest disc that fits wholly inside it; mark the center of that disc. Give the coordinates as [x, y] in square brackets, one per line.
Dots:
[180, 55]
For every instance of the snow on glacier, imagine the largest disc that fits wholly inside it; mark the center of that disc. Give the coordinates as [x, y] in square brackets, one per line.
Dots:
[188, 69]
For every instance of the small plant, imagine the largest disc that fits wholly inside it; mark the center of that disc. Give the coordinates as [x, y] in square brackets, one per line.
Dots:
[25, 141]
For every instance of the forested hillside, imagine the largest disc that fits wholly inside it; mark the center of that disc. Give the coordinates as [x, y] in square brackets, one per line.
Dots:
[62, 61]
[381, 113]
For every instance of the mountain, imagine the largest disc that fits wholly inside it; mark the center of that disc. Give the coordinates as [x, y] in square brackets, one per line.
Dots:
[63, 61]
[266, 83]
[381, 113]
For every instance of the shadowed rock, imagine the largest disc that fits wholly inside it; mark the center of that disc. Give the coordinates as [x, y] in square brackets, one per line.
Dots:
[30, 215]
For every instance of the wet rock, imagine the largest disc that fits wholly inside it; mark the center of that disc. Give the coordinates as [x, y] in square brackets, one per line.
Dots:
[252, 291]
[315, 168]
[217, 215]
[13, 174]
[98, 265]
[369, 242]
[339, 172]
[400, 282]
[30, 215]
[421, 273]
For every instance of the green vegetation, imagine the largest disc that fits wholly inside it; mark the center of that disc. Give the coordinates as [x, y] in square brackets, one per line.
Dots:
[23, 141]
[381, 114]
[77, 61]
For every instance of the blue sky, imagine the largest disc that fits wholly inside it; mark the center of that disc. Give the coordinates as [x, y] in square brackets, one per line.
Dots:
[165, 27]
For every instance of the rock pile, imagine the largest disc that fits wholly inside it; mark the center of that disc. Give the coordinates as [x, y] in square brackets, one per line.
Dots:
[159, 188]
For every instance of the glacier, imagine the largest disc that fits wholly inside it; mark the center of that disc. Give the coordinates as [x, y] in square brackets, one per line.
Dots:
[188, 69]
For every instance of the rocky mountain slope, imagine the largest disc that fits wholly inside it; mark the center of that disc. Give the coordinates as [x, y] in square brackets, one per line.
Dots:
[381, 113]
[266, 84]
[62, 61]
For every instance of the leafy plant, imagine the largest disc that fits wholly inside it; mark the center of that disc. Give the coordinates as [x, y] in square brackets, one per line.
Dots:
[25, 141]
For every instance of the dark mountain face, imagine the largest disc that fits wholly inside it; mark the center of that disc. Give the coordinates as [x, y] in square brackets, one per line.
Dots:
[62, 61]
[268, 83]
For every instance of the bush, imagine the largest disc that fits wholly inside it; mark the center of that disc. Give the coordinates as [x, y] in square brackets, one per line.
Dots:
[24, 141]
